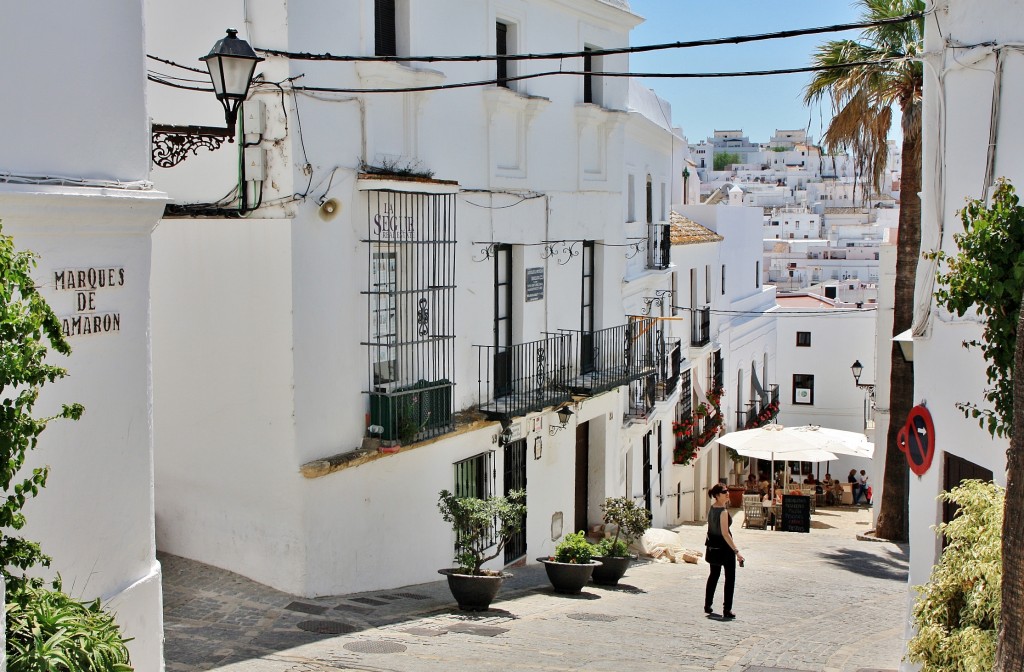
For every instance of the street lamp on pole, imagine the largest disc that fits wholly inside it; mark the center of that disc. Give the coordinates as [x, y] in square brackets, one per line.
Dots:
[857, 368]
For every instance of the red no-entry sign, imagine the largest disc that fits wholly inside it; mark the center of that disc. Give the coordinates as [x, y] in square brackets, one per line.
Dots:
[917, 440]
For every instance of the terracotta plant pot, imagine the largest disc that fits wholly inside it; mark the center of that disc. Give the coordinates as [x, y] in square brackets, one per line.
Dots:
[568, 577]
[736, 496]
[611, 570]
[474, 592]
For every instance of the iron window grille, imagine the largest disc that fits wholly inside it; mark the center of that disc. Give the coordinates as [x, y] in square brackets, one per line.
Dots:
[474, 477]
[411, 310]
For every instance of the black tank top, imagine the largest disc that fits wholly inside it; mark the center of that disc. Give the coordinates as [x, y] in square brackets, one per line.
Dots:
[715, 539]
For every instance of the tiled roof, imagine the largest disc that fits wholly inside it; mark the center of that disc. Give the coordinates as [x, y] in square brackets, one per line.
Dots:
[685, 231]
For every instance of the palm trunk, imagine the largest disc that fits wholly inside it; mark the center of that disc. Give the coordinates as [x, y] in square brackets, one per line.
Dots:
[1010, 650]
[894, 512]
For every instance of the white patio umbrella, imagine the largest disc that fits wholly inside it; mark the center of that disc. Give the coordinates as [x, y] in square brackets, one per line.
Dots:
[808, 443]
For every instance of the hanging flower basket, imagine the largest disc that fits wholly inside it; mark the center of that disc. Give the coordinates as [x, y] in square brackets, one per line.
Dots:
[769, 413]
[688, 440]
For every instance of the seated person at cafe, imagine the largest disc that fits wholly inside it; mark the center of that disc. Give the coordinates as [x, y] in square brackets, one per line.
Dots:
[809, 480]
[836, 492]
[751, 481]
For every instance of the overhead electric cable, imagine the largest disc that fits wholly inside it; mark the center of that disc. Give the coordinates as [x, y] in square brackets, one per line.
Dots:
[160, 80]
[177, 65]
[584, 73]
[738, 39]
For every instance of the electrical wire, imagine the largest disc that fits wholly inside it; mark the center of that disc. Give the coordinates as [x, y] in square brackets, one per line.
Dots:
[66, 181]
[590, 73]
[177, 65]
[162, 75]
[716, 41]
[160, 80]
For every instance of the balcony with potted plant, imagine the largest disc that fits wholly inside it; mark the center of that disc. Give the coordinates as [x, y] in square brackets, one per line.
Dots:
[694, 431]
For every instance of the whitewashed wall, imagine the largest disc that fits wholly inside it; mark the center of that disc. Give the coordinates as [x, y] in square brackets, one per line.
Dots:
[956, 138]
[50, 62]
[77, 115]
[838, 337]
[95, 517]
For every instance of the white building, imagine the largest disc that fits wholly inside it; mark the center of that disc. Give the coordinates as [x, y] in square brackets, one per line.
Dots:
[956, 138]
[455, 313]
[740, 355]
[74, 188]
[817, 336]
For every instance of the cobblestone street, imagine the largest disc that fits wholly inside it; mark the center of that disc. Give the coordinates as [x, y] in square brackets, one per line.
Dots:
[823, 601]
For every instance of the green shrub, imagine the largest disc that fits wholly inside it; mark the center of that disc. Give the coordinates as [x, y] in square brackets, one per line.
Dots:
[474, 521]
[610, 548]
[30, 329]
[631, 521]
[957, 611]
[49, 631]
[575, 549]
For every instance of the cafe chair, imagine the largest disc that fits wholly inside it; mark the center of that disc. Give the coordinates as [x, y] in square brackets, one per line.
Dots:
[754, 515]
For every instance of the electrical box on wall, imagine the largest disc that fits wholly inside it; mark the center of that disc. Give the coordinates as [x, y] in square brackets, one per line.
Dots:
[255, 164]
[253, 115]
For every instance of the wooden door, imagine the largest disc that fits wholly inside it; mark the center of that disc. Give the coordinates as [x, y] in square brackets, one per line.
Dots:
[582, 476]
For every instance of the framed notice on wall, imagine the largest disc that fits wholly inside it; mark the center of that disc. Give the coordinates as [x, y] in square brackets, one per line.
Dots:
[535, 283]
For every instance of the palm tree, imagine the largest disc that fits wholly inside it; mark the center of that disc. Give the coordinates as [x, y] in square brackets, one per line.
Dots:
[880, 75]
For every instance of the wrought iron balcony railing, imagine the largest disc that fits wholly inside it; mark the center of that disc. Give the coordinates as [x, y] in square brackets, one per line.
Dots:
[642, 395]
[515, 380]
[659, 246]
[700, 326]
[414, 413]
[615, 356]
[669, 365]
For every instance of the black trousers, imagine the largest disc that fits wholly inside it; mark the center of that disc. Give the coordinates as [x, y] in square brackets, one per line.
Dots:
[719, 560]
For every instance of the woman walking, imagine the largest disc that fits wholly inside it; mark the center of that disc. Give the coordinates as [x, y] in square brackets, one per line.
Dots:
[722, 552]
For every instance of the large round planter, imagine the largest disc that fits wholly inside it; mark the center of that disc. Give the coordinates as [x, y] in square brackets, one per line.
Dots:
[568, 577]
[610, 570]
[736, 493]
[474, 592]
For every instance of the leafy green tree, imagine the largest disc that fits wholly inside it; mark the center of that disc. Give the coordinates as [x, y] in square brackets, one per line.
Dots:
[957, 612]
[630, 520]
[28, 328]
[884, 71]
[475, 521]
[987, 275]
[724, 159]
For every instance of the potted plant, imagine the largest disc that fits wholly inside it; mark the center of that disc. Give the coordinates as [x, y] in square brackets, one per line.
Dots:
[570, 567]
[630, 521]
[482, 529]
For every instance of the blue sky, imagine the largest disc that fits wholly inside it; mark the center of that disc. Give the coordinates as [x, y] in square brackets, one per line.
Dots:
[758, 105]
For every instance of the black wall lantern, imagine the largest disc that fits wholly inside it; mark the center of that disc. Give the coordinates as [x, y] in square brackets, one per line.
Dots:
[564, 413]
[231, 63]
[858, 369]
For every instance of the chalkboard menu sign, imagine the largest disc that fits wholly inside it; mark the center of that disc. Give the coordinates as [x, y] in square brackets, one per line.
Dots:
[796, 513]
[535, 283]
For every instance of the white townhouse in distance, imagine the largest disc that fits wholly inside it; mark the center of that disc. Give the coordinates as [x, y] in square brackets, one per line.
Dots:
[819, 340]
[956, 138]
[75, 189]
